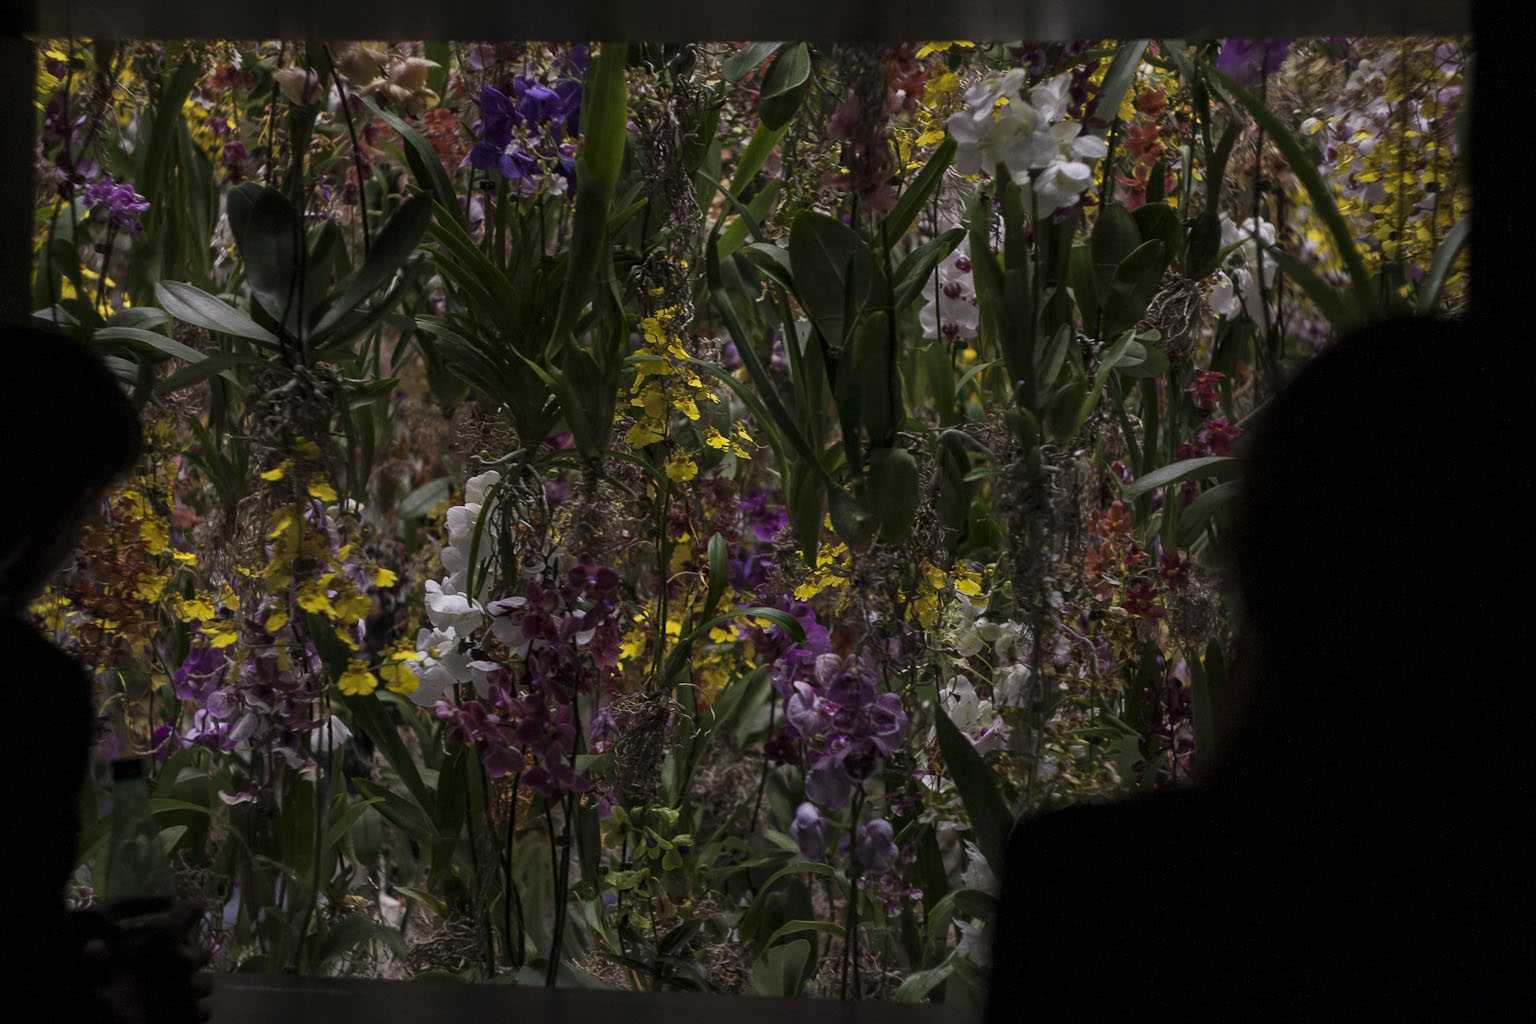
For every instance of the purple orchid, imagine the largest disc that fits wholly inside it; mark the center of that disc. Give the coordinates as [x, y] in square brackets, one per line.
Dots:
[1245, 61]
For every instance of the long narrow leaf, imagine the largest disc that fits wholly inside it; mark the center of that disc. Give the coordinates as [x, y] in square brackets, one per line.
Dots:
[1305, 169]
[1440, 266]
[990, 819]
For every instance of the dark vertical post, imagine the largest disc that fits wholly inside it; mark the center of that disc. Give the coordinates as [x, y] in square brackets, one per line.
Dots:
[1502, 155]
[18, 134]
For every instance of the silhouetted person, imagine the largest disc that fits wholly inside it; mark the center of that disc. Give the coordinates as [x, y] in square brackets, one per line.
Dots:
[1357, 850]
[67, 432]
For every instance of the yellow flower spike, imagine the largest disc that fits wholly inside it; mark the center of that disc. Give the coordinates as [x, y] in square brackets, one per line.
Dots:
[184, 557]
[681, 467]
[221, 633]
[308, 449]
[344, 635]
[353, 606]
[357, 681]
[150, 587]
[642, 434]
[195, 608]
[715, 439]
[398, 678]
[276, 472]
[155, 536]
[312, 597]
[318, 488]
[382, 577]
[275, 622]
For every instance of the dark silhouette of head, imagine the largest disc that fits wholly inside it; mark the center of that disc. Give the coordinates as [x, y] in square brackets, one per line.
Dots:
[1373, 557]
[67, 431]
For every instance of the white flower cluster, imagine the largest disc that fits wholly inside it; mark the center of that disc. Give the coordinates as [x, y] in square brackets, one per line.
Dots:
[1238, 288]
[453, 612]
[1032, 139]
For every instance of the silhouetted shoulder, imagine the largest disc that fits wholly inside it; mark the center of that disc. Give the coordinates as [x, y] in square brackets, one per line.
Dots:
[1106, 909]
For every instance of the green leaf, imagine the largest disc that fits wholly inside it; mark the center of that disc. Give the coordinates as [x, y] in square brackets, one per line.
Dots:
[916, 196]
[784, 85]
[1135, 282]
[424, 498]
[369, 715]
[1204, 252]
[394, 245]
[148, 341]
[604, 112]
[349, 933]
[338, 829]
[796, 927]
[752, 218]
[270, 236]
[1115, 236]
[425, 165]
[213, 366]
[195, 306]
[1440, 266]
[916, 986]
[755, 155]
[833, 270]
[1159, 220]
[1142, 360]
[916, 268]
[719, 568]
[1207, 505]
[743, 61]
[984, 806]
[1345, 316]
[1122, 69]
[779, 970]
[160, 805]
[894, 492]
[1221, 467]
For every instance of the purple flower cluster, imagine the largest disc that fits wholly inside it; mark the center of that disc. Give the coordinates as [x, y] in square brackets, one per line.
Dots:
[563, 639]
[1245, 61]
[523, 136]
[120, 203]
[266, 706]
[846, 726]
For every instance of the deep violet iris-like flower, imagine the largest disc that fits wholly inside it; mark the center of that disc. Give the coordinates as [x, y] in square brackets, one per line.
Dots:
[1245, 61]
[537, 109]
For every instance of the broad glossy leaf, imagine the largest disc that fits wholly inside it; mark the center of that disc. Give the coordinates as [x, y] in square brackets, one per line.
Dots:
[1208, 504]
[893, 492]
[739, 64]
[1159, 220]
[195, 306]
[784, 86]
[271, 237]
[833, 271]
[1135, 282]
[1220, 467]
